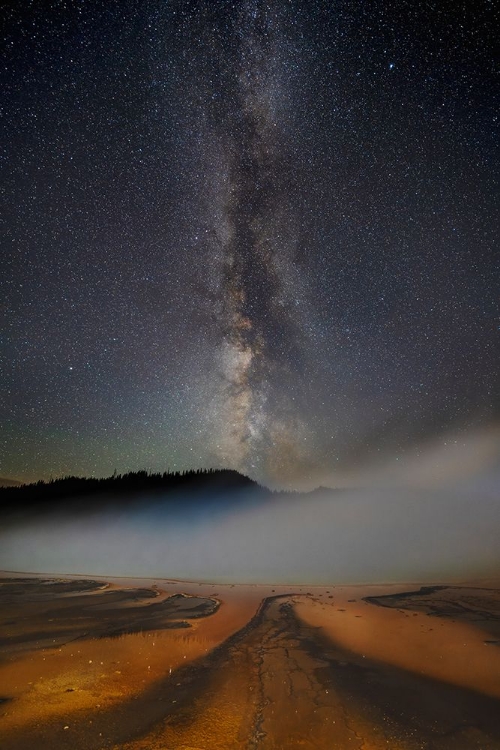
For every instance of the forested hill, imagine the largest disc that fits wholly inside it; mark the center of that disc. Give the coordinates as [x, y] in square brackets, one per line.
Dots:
[195, 483]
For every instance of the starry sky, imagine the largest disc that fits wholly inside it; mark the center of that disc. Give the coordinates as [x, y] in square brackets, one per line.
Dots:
[251, 234]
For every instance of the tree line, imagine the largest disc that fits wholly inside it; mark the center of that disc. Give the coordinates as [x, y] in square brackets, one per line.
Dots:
[131, 483]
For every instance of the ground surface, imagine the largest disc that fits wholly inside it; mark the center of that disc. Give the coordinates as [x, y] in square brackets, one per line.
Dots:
[154, 664]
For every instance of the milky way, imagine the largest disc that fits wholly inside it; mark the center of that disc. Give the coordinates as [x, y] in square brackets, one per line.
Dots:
[260, 332]
[254, 234]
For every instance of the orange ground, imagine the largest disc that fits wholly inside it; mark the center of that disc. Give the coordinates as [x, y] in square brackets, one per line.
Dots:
[311, 667]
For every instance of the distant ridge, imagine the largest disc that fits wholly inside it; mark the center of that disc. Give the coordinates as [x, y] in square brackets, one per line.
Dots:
[5, 482]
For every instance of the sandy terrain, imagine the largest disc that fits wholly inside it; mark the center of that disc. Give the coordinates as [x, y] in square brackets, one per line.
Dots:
[157, 664]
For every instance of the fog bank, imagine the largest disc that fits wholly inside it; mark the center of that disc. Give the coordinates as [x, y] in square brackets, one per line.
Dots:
[324, 537]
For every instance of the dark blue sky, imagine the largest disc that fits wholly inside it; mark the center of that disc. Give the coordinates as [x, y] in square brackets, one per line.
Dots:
[251, 234]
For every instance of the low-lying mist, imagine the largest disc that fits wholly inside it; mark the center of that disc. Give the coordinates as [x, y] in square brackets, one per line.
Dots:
[323, 537]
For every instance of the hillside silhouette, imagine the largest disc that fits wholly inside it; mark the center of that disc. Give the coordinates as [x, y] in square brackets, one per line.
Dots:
[119, 489]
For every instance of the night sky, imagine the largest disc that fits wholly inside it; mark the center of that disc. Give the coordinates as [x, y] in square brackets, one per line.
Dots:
[250, 234]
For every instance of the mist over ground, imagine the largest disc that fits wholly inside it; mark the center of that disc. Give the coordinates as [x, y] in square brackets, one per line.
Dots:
[327, 536]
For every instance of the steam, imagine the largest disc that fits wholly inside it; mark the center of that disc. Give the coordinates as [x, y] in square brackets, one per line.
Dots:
[325, 537]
